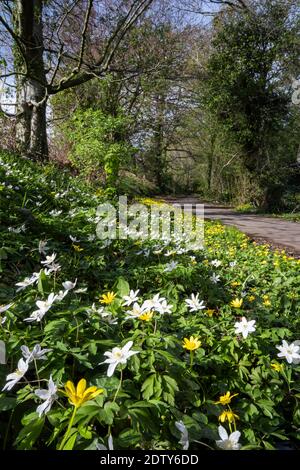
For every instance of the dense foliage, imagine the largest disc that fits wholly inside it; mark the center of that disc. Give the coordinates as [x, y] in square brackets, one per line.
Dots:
[187, 351]
[98, 144]
[248, 91]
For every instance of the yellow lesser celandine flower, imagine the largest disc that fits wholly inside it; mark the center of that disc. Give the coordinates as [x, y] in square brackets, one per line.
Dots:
[77, 248]
[251, 298]
[99, 192]
[210, 312]
[191, 344]
[229, 416]
[149, 201]
[147, 316]
[77, 396]
[235, 284]
[267, 303]
[277, 367]
[107, 298]
[225, 399]
[236, 303]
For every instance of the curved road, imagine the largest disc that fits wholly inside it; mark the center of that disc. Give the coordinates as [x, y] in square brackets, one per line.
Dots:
[281, 233]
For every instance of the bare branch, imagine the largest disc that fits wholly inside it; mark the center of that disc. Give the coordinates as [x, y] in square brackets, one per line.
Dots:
[83, 33]
[100, 68]
[59, 59]
[15, 37]
[67, 13]
[114, 41]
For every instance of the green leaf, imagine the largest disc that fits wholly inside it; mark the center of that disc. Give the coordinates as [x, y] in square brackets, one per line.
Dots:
[42, 279]
[7, 403]
[148, 387]
[83, 360]
[92, 348]
[171, 383]
[85, 432]
[30, 433]
[268, 446]
[128, 438]
[87, 412]
[71, 440]
[56, 327]
[106, 415]
[122, 287]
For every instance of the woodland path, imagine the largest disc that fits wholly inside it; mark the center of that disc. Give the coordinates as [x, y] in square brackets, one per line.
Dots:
[279, 233]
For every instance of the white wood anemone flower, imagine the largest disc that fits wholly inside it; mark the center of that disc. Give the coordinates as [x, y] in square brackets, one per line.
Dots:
[43, 307]
[245, 327]
[131, 298]
[49, 396]
[184, 440]
[14, 378]
[118, 356]
[194, 304]
[68, 285]
[228, 442]
[290, 351]
[36, 354]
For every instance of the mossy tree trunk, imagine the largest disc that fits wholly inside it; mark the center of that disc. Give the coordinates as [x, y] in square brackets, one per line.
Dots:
[31, 135]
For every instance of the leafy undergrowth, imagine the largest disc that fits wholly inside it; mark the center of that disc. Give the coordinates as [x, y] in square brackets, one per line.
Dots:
[157, 369]
[293, 216]
[249, 209]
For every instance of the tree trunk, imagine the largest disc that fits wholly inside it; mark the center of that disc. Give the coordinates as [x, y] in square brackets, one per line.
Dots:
[211, 155]
[158, 144]
[31, 135]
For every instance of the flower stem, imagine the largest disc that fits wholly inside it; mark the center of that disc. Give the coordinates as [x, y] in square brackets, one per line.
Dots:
[68, 429]
[36, 371]
[234, 422]
[119, 386]
[191, 359]
[286, 379]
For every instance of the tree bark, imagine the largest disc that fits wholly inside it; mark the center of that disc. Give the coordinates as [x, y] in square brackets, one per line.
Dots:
[158, 143]
[31, 134]
[211, 155]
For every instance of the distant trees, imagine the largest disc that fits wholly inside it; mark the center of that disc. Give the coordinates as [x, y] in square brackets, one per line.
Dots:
[249, 88]
[150, 101]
